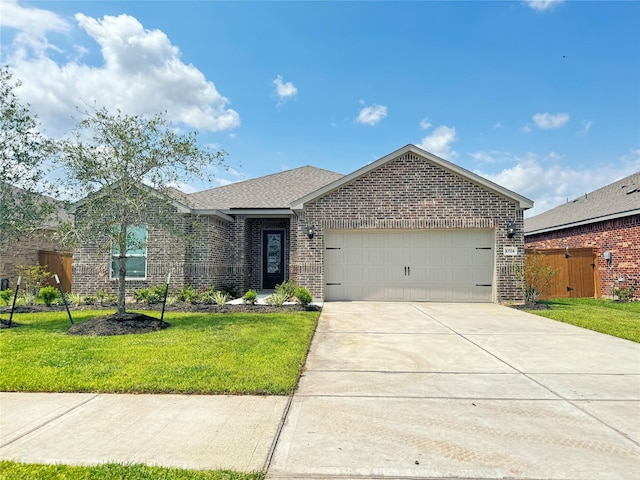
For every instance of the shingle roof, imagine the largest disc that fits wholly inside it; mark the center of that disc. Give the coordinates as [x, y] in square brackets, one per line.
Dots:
[271, 191]
[618, 199]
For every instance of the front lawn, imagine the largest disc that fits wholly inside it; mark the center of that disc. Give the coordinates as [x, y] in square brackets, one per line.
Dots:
[114, 471]
[604, 316]
[201, 353]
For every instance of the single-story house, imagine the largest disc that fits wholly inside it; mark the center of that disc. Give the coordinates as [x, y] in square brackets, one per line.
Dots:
[409, 226]
[606, 220]
[38, 248]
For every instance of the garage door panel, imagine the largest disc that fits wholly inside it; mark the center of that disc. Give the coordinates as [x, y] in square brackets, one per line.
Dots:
[425, 265]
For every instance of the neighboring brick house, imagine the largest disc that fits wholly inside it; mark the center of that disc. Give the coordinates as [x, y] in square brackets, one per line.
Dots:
[607, 220]
[409, 226]
[38, 248]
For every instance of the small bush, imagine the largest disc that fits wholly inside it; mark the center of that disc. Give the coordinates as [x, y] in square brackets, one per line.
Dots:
[89, 300]
[220, 297]
[277, 299]
[6, 296]
[287, 288]
[251, 297]
[106, 299]
[189, 295]
[74, 299]
[49, 295]
[208, 296]
[304, 296]
[230, 289]
[624, 294]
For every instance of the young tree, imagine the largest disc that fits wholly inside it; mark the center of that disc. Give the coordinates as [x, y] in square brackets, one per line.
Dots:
[124, 164]
[24, 153]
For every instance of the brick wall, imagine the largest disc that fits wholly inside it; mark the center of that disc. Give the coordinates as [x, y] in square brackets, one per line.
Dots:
[619, 236]
[407, 193]
[23, 252]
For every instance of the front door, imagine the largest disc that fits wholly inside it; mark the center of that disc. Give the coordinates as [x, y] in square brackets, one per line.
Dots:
[272, 258]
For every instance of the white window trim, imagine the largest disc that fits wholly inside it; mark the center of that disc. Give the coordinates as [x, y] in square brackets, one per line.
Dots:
[146, 262]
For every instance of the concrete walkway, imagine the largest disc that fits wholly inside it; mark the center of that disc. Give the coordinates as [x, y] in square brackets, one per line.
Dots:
[420, 390]
[430, 390]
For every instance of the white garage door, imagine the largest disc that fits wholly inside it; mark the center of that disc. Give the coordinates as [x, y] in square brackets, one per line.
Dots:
[424, 265]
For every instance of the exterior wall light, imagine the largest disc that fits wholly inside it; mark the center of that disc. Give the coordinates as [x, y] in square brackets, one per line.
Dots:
[511, 229]
[310, 230]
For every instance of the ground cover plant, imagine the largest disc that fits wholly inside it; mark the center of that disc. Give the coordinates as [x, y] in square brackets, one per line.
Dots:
[200, 353]
[620, 319]
[114, 471]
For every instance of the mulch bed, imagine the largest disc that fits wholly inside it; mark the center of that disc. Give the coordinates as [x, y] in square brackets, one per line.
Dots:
[532, 306]
[130, 322]
[118, 324]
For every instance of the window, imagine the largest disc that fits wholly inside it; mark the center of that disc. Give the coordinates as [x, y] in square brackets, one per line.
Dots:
[136, 253]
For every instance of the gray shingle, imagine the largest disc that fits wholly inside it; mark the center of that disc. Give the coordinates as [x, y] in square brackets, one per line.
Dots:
[613, 199]
[271, 191]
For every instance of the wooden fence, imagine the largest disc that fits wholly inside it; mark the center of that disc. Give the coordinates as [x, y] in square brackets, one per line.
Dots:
[577, 272]
[57, 264]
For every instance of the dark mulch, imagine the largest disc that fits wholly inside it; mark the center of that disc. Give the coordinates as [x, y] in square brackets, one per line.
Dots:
[131, 323]
[118, 324]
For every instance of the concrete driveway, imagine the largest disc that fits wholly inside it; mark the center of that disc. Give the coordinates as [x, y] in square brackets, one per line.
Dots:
[427, 390]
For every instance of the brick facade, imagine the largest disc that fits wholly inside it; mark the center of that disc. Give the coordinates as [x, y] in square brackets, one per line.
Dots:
[407, 193]
[619, 236]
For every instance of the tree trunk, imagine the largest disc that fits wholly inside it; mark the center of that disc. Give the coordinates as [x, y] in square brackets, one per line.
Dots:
[122, 269]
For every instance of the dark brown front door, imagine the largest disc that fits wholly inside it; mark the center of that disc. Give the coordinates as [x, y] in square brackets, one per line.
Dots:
[272, 258]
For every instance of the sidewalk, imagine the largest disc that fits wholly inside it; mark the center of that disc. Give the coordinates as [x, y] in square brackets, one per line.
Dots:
[183, 431]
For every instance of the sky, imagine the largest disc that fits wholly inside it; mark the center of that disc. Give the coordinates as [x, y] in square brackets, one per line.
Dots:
[541, 97]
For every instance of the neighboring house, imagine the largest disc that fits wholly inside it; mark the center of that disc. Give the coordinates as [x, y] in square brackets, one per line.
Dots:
[409, 226]
[606, 220]
[38, 248]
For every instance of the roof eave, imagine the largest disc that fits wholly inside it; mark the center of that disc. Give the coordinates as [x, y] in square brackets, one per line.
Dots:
[260, 212]
[566, 226]
[523, 202]
[212, 213]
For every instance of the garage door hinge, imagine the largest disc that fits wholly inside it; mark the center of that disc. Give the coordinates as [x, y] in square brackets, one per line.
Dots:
[333, 248]
[483, 248]
[484, 285]
[334, 284]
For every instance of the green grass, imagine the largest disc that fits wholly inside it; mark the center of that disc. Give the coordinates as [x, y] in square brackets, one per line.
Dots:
[199, 354]
[604, 316]
[114, 471]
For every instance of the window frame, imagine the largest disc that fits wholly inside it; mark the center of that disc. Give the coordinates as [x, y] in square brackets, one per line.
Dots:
[115, 256]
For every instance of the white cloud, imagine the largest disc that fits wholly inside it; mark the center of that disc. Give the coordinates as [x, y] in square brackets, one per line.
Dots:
[586, 126]
[439, 142]
[497, 125]
[372, 114]
[549, 182]
[425, 124]
[493, 156]
[542, 5]
[142, 73]
[547, 121]
[284, 91]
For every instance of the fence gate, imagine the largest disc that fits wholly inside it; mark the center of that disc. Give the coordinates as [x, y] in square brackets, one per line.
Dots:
[577, 272]
[58, 264]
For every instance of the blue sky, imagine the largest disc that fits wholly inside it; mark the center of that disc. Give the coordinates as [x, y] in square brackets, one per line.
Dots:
[542, 97]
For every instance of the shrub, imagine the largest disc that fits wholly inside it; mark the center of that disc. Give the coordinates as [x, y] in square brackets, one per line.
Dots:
[74, 298]
[251, 297]
[189, 295]
[537, 276]
[277, 298]
[208, 296]
[220, 297]
[624, 294]
[287, 288]
[89, 300]
[33, 277]
[304, 296]
[151, 295]
[106, 299]
[6, 296]
[49, 295]
[230, 289]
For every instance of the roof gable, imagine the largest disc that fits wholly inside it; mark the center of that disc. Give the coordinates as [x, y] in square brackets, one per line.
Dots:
[523, 202]
[273, 191]
[618, 199]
